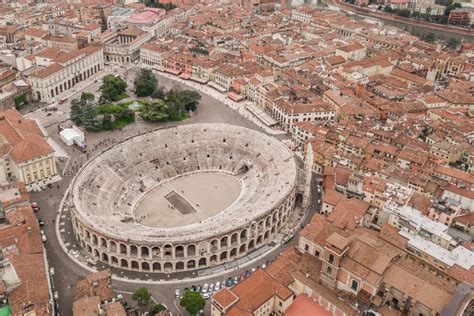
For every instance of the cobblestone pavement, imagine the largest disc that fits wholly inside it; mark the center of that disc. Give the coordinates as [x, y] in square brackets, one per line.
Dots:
[67, 271]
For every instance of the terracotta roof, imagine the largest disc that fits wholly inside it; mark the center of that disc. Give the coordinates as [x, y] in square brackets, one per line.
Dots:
[225, 298]
[24, 135]
[87, 306]
[348, 213]
[303, 305]
[256, 290]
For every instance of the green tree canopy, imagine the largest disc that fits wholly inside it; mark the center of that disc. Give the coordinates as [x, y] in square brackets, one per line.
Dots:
[156, 308]
[193, 302]
[113, 88]
[189, 99]
[145, 83]
[453, 43]
[142, 296]
[430, 38]
[155, 111]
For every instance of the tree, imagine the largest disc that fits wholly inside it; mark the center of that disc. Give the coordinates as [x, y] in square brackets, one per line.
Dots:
[82, 109]
[193, 302]
[189, 99]
[430, 38]
[20, 101]
[113, 88]
[453, 43]
[156, 308]
[145, 83]
[142, 296]
[159, 93]
[155, 111]
[452, 6]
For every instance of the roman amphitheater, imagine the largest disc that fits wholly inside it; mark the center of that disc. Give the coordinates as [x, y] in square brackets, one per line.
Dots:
[183, 198]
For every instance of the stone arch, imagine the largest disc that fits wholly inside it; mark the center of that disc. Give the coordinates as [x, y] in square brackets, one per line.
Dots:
[156, 266]
[113, 260]
[261, 225]
[202, 262]
[259, 239]
[134, 265]
[243, 234]
[267, 234]
[268, 222]
[179, 266]
[145, 266]
[168, 250]
[213, 245]
[145, 251]
[234, 239]
[168, 267]
[179, 251]
[112, 246]
[233, 253]
[123, 249]
[251, 244]
[213, 259]
[223, 256]
[191, 264]
[133, 250]
[103, 242]
[191, 250]
[124, 263]
[96, 253]
[89, 249]
[273, 229]
[105, 258]
[156, 251]
[88, 235]
[224, 241]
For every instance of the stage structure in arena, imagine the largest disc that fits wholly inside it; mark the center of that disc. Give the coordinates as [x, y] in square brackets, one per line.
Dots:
[183, 198]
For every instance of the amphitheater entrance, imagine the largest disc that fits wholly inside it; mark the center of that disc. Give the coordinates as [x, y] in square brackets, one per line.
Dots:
[187, 199]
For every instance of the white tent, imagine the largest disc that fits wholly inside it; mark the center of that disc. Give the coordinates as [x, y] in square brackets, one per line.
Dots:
[71, 136]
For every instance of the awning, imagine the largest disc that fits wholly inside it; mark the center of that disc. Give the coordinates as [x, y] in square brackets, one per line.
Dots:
[158, 68]
[198, 79]
[172, 71]
[185, 76]
[261, 115]
[217, 87]
[234, 96]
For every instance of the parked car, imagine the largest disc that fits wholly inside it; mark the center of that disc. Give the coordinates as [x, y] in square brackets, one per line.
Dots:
[177, 293]
[40, 223]
[236, 280]
[247, 273]
[56, 295]
[229, 282]
[193, 288]
[205, 287]
[35, 206]
[217, 286]
[51, 271]
[223, 284]
[211, 287]
[206, 296]
[198, 288]
[43, 236]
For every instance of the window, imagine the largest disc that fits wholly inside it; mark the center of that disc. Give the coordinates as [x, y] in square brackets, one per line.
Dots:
[354, 285]
[331, 258]
[329, 270]
[306, 248]
[316, 253]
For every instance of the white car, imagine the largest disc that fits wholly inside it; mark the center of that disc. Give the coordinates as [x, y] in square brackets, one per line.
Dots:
[218, 285]
[205, 287]
[211, 287]
[206, 296]
[177, 293]
[51, 271]
[56, 295]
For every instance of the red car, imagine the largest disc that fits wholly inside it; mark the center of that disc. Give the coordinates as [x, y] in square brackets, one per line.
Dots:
[35, 206]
